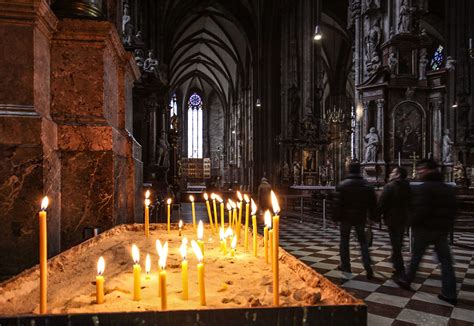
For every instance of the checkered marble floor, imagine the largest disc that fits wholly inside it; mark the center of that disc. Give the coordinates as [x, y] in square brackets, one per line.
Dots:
[304, 237]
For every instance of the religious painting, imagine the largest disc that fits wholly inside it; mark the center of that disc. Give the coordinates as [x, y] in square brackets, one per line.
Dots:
[408, 131]
[309, 160]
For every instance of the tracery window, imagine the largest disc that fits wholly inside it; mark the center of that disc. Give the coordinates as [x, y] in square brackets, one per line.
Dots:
[194, 126]
[438, 58]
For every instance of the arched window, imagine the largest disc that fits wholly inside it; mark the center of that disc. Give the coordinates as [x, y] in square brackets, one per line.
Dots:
[195, 126]
[438, 58]
[173, 109]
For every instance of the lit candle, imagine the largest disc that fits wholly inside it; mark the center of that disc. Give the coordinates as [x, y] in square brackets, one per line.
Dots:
[234, 212]
[229, 208]
[270, 243]
[228, 235]
[239, 220]
[147, 266]
[233, 245]
[184, 271]
[223, 241]
[213, 197]
[180, 226]
[254, 224]
[276, 240]
[193, 210]
[99, 281]
[43, 252]
[147, 213]
[162, 276]
[221, 201]
[200, 268]
[136, 273]
[208, 206]
[200, 235]
[169, 214]
[247, 211]
[267, 218]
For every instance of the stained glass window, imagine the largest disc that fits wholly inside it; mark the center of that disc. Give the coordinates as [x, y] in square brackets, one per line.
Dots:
[195, 126]
[173, 109]
[438, 58]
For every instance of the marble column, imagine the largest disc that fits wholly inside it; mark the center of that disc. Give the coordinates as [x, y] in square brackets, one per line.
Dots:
[27, 165]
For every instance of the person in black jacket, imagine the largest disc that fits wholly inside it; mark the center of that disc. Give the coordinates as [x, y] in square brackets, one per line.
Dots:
[432, 219]
[355, 199]
[394, 205]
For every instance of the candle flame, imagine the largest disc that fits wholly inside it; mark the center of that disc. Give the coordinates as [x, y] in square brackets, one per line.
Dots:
[222, 234]
[163, 256]
[219, 198]
[206, 196]
[228, 206]
[147, 202]
[185, 240]
[232, 203]
[147, 264]
[276, 206]
[254, 207]
[147, 194]
[159, 247]
[168, 201]
[246, 198]
[239, 195]
[213, 196]
[197, 250]
[234, 242]
[44, 203]
[100, 266]
[268, 218]
[180, 224]
[135, 254]
[229, 232]
[200, 230]
[183, 250]
[191, 198]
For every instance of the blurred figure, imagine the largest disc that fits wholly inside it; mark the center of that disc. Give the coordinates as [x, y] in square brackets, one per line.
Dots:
[434, 210]
[355, 199]
[264, 200]
[393, 205]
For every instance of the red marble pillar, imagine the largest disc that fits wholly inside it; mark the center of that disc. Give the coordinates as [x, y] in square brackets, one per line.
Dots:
[27, 164]
[91, 81]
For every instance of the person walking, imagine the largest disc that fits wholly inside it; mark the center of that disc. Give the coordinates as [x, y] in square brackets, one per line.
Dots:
[394, 205]
[355, 199]
[432, 219]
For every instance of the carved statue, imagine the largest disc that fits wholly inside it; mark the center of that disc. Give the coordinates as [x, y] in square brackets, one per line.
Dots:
[285, 172]
[296, 172]
[422, 65]
[329, 173]
[127, 28]
[151, 63]
[392, 62]
[372, 143]
[375, 62]
[404, 17]
[459, 174]
[139, 58]
[450, 63]
[174, 122]
[372, 40]
[309, 128]
[162, 151]
[139, 37]
[447, 148]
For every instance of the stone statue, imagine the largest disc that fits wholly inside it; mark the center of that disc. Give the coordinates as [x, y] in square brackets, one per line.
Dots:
[329, 173]
[139, 37]
[447, 148]
[139, 58]
[127, 28]
[285, 172]
[296, 172]
[404, 17]
[450, 63]
[372, 143]
[174, 122]
[126, 17]
[422, 65]
[372, 40]
[162, 151]
[459, 174]
[375, 62]
[392, 62]
[151, 63]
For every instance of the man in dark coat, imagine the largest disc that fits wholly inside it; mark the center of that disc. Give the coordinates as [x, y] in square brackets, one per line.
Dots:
[355, 200]
[432, 219]
[394, 205]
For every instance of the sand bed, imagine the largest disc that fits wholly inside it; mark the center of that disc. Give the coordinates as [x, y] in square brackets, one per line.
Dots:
[241, 281]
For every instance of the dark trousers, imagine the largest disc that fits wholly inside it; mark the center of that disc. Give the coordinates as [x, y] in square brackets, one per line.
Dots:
[396, 239]
[344, 245]
[424, 238]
